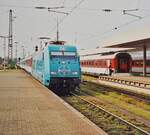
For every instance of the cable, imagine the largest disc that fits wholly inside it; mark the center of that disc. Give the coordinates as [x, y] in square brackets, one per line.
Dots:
[115, 28]
[63, 2]
[74, 8]
[138, 3]
[4, 5]
[4, 12]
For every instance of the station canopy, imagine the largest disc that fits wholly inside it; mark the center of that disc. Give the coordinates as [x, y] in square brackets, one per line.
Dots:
[132, 44]
[141, 45]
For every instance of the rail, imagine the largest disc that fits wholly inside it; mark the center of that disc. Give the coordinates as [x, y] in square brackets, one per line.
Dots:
[126, 122]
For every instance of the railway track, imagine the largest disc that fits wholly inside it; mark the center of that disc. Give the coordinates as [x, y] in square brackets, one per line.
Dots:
[108, 121]
[134, 94]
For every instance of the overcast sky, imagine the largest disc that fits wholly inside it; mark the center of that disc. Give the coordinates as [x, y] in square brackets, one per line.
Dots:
[87, 26]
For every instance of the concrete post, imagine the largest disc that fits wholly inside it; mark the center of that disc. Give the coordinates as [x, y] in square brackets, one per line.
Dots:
[144, 60]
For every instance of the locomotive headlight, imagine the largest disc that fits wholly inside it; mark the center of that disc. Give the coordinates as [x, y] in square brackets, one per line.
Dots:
[53, 73]
[74, 73]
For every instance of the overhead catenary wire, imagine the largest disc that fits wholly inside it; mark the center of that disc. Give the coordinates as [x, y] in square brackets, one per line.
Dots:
[72, 10]
[113, 29]
[77, 6]
[14, 6]
[64, 2]
[4, 12]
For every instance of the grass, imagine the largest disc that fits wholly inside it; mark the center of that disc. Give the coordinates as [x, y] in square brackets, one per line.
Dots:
[111, 99]
[122, 101]
[108, 123]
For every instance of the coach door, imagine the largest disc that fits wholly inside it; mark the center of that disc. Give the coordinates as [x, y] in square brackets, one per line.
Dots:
[123, 65]
[124, 61]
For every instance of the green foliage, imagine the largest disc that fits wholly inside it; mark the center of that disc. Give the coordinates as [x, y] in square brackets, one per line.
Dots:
[1, 60]
[12, 64]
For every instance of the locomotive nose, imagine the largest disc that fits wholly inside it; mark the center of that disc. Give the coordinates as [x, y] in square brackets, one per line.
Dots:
[63, 69]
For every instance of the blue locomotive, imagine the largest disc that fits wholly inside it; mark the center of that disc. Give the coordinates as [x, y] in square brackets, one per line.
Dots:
[57, 67]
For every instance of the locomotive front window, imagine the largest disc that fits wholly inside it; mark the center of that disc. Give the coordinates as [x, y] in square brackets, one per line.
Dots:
[62, 53]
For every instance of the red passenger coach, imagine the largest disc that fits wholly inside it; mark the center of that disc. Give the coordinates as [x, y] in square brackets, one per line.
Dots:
[104, 64]
[137, 65]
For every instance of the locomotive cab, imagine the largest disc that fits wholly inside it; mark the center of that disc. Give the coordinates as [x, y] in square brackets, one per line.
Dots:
[57, 67]
[64, 67]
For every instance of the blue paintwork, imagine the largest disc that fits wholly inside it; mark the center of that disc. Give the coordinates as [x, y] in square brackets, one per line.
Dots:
[56, 61]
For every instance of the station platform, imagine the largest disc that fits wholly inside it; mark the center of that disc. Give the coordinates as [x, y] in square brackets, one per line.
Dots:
[136, 84]
[29, 108]
[130, 77]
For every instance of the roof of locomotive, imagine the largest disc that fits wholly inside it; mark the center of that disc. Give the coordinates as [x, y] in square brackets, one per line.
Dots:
[54, 47]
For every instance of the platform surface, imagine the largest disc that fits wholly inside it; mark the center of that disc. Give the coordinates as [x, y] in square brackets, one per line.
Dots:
[127, 77]
[28, 108]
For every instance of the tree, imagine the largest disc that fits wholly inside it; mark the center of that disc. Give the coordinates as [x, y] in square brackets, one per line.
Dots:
[1, 60]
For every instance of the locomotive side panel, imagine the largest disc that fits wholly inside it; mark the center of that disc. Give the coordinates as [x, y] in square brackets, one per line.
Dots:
[37, 68]
[46, 70]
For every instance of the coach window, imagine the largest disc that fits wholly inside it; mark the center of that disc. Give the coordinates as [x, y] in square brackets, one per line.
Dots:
[96, 63]
[141, 63]
[99, 63]
[133, 63]
[92, 63]
[148, 62]
[137, 63]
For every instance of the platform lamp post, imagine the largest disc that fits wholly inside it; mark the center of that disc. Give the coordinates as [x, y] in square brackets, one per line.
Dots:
[4, 37]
